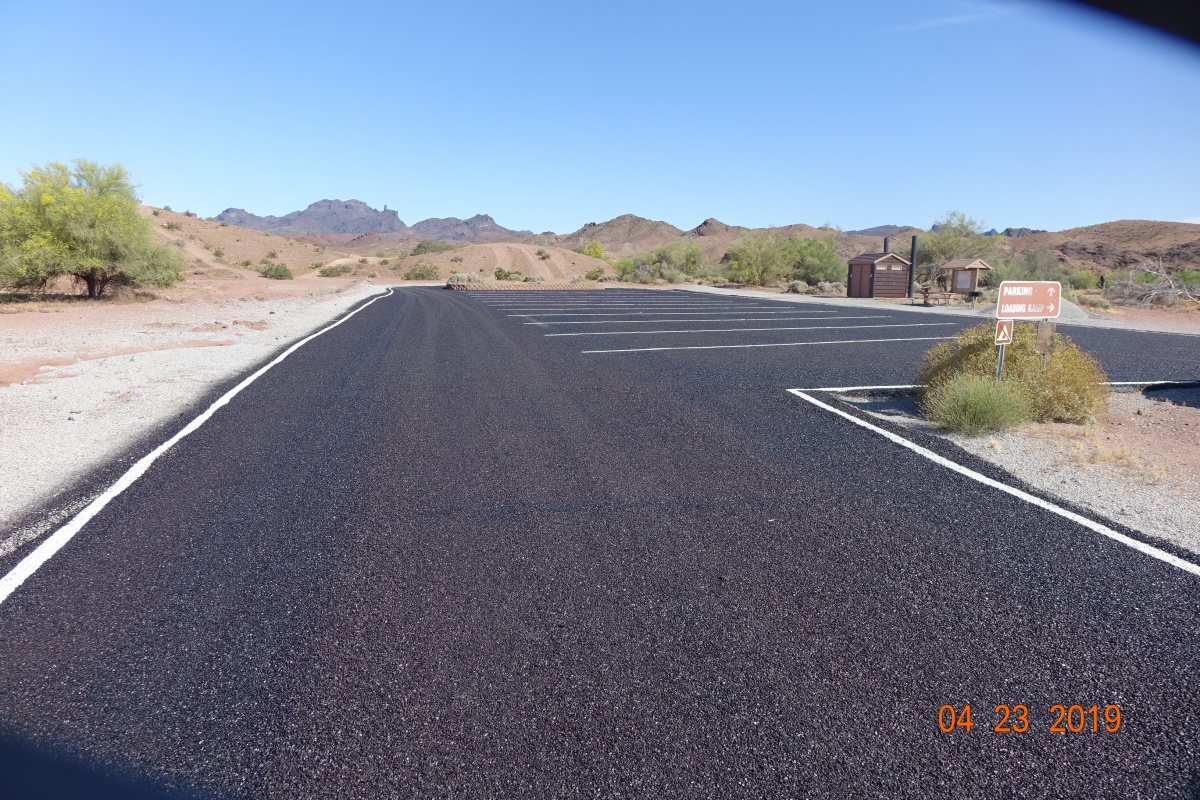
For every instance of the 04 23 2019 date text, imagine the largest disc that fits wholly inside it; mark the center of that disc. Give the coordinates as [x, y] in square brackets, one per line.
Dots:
[1015, 719]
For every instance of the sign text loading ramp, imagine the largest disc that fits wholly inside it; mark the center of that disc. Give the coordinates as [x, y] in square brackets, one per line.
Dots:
[1029, 300]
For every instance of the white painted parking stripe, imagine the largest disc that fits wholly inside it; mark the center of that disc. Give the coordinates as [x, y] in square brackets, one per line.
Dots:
[56, 541]
[569, 309]
[657, 313]
[703, 319]
[1104, 530]
[769, 344]
[730, 330]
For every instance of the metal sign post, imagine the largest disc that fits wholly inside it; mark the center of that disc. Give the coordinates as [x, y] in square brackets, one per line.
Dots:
[1045, 340]
[1004, 336]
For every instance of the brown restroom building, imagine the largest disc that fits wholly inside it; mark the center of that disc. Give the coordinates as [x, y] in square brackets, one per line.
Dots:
[878, 275]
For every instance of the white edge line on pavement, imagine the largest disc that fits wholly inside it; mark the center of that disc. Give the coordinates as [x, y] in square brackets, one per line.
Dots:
[1104, 530]
[770, 344]
[922, 386]
[56, 541]
[736, 330]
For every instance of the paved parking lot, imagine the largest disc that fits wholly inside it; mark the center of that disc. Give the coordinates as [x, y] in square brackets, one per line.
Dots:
[442, 549]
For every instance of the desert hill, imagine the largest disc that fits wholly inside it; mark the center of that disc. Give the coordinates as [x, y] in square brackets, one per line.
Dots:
[626, 235]
[217, 250]
[356, 218]
[323, 216]
[880, 230]
[1104, 247]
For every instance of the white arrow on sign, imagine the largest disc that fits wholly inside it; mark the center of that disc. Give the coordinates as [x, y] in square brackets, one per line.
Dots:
[1050, 306]
[1051, 291]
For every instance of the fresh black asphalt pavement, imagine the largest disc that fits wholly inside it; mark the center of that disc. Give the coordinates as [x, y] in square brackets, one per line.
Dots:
[438, 552]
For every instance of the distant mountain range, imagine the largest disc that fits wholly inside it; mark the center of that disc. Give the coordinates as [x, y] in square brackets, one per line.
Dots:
[353, 224]
[355, 218]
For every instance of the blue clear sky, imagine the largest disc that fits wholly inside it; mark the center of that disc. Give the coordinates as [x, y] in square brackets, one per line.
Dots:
[551, 115]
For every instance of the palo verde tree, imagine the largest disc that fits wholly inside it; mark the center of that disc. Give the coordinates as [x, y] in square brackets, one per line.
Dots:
[813, 260]
[957, 236]
[81, 222]
[757, 258]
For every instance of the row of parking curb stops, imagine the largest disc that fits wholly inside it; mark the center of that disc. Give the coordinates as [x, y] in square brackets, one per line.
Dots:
[523, 285]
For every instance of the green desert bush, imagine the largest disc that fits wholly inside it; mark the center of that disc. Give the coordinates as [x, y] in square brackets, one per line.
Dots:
[975, 404]
[421, 272]
[384, 262]
[272, 254]
[533, 278]
[245, 263]
[503, 274]
[456, 260]
[1092, 301]
[431, 246]
[277, 272]
[1069, 388]
[219, 253]
[334, 270]
[362, 261]
[461, 277]
[1083, 279]
[592, 248]
[174, 226]
[372, 274]
[595, 274]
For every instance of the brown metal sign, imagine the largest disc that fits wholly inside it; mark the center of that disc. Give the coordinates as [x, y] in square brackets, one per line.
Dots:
[1004, 329]
[1029, 300]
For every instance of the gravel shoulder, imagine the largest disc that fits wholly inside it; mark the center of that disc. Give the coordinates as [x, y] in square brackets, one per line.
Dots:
[1138, 464]
[82, 382]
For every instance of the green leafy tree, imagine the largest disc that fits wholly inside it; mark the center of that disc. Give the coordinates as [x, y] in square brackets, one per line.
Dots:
[592, 248]
[685, 257]
[813, 260]
[957, 236]
[81, 222]
[756, 258]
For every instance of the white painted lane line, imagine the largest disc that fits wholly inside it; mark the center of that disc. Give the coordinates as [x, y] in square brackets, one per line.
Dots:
[695, 309]
[730, 330]
[859, 388]
[702, 319]
[1141, 547]
[771, 344]
[922, 386]
[656, 313]
[56, 541]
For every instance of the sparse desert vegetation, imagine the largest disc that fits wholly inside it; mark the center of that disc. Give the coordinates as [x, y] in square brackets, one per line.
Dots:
[1067, 385]
[426, 246]
[421, 272]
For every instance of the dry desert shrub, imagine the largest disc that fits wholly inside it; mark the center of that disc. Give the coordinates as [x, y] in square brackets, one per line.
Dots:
[974, 404]
[1065, 386]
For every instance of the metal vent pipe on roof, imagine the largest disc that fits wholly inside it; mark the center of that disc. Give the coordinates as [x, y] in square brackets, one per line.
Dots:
[886, 241]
